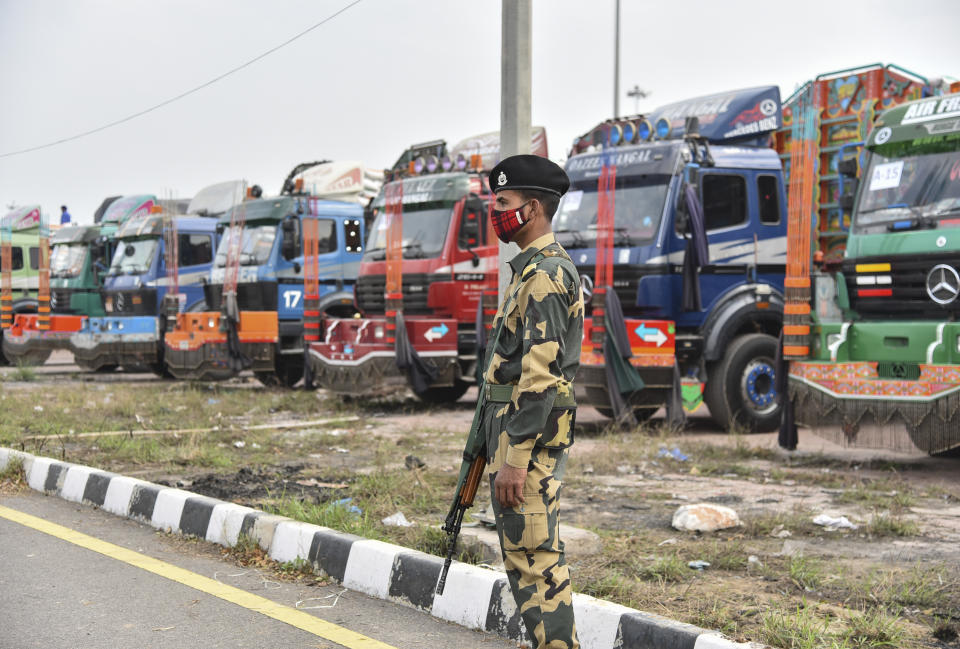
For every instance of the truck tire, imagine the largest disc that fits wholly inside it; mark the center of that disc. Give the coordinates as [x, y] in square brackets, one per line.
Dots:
[596, 396]
[447, 394]
[4, 361]
[740, 389]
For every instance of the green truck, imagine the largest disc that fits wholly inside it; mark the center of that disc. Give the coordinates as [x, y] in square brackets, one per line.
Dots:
[882, 361]
[19, 266]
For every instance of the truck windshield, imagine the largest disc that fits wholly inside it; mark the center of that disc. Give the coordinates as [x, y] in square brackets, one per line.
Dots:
[424, 231]
[133, 256]
[920, 186]
[67, 260]
[255, 245]
[638, 205]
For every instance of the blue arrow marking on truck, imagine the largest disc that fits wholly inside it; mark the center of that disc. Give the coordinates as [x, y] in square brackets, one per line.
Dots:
[436, 332]
[650, 334]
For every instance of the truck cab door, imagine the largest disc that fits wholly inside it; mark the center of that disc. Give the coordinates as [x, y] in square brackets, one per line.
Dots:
[195, 252]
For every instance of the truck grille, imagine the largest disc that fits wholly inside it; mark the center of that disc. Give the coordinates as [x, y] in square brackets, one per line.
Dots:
[370, 288]
[142, 302]
[251, 296]
[60, 300]
[892, 286]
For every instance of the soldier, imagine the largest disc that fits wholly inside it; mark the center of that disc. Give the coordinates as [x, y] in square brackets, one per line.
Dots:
[528, 422]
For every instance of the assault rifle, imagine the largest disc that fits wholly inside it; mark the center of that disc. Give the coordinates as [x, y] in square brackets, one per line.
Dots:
[466, 492]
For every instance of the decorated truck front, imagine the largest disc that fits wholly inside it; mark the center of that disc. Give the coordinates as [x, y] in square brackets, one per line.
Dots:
[254, 297]
[881, 366]
[429, 258]
[154, 254]
[19, 266]
[76, 270]
[681, 215]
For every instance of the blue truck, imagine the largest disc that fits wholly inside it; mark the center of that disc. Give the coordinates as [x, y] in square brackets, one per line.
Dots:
[694, 175]
[260, 327]
[141, 274]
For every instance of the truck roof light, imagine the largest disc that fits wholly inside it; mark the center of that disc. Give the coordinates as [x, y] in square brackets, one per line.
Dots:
[446, 163]
[461, 163]
[629, 132]
[663, 128]
[418, 165]
[644, 130]
[432, 163]
[616, 135]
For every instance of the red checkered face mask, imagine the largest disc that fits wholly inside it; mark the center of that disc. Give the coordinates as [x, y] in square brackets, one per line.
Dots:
[506, 223]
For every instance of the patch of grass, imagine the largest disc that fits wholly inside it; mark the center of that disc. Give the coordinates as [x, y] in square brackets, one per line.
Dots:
[12, 477]
[894, 500]
[724, 555]
[890, 525]
[805, 572]
[23, 373]
[797, 522]
[872, 629]
[799, 629]
[333, 515]
[613, 585]
[670, 568]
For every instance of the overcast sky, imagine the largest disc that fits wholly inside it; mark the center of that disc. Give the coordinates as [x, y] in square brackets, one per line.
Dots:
[381, 76]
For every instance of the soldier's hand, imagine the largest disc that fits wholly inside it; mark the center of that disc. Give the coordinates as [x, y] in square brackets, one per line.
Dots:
[508, 486]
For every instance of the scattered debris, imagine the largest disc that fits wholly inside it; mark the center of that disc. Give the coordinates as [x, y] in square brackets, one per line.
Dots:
[699, 564]
[704, 517]
[397, 520]
[413, 462]
[676, 454]
[239, 443]
[780, 533]
[753, 561]
[38, 408]
[834, 523]
[346, 503]
[313, 482]
[670, 541]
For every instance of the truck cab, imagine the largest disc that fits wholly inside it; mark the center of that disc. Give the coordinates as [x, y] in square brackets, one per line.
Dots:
[883, 369]
[268, 288]
[723, 344]
[77, 268]
[130, 334]
[19, 266]
[424, 286]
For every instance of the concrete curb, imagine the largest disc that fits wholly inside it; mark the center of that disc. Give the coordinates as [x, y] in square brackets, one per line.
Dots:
[476, 598]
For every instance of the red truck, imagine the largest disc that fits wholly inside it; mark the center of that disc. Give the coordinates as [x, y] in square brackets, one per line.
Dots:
[430, 257]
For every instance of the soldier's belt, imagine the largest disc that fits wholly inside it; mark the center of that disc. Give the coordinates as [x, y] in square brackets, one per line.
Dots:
[504, 394]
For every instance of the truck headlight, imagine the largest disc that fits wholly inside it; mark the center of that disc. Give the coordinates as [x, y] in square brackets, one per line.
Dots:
[378, 332]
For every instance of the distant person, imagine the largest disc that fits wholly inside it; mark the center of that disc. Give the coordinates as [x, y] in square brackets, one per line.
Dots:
[64, 215]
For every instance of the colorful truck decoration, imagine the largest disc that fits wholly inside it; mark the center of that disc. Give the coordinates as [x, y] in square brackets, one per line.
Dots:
[19, 266]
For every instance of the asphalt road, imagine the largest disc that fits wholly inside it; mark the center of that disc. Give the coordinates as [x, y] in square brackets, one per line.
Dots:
[55, 593]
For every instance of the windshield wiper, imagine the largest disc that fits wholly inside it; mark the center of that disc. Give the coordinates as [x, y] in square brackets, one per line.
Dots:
[415, 248]
[624, 237]
[578, 239]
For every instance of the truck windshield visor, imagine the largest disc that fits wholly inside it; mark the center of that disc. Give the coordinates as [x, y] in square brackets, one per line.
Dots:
[134, 256]
[255, 245]
[67, 260]
[925, 186]
[638, 207]
[424, 232]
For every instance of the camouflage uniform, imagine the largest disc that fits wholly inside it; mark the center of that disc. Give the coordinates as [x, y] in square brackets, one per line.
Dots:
[537, 353]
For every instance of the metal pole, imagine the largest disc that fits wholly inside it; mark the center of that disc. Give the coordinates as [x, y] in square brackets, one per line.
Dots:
[515, 49]
[616, 63]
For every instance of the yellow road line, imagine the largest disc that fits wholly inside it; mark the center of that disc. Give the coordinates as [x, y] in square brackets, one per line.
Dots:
[291, 616]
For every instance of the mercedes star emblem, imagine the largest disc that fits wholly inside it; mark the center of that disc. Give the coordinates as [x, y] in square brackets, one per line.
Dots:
[943, 284]
[586, 285]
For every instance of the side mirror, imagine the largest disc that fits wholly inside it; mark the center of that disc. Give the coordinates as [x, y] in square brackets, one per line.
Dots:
[290, 246]
[848, 167]
[846, 199]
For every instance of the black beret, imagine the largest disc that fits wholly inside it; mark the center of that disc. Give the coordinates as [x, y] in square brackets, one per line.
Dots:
[529, 172]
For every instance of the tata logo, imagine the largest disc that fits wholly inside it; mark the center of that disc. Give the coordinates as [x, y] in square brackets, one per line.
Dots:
[943, 284]
[883, 135]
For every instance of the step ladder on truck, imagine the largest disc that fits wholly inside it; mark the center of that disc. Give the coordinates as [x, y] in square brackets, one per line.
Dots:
[871, 339]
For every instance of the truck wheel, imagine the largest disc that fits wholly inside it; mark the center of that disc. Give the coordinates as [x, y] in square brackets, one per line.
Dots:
[741, 388]
[447, 394]
[596, 396]
[104, 369]
[4, 361]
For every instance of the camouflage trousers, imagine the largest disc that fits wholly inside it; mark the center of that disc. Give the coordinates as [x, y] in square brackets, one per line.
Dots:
[531, 546]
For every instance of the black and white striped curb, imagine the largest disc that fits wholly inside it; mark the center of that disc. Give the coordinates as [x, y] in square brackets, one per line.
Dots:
[474, 597]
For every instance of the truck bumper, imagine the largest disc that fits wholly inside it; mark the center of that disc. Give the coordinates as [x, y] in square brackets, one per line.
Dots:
[356, 357]
[850, 405]
[653, 358]
[25, 343]
[112, 340]
[197, 349]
